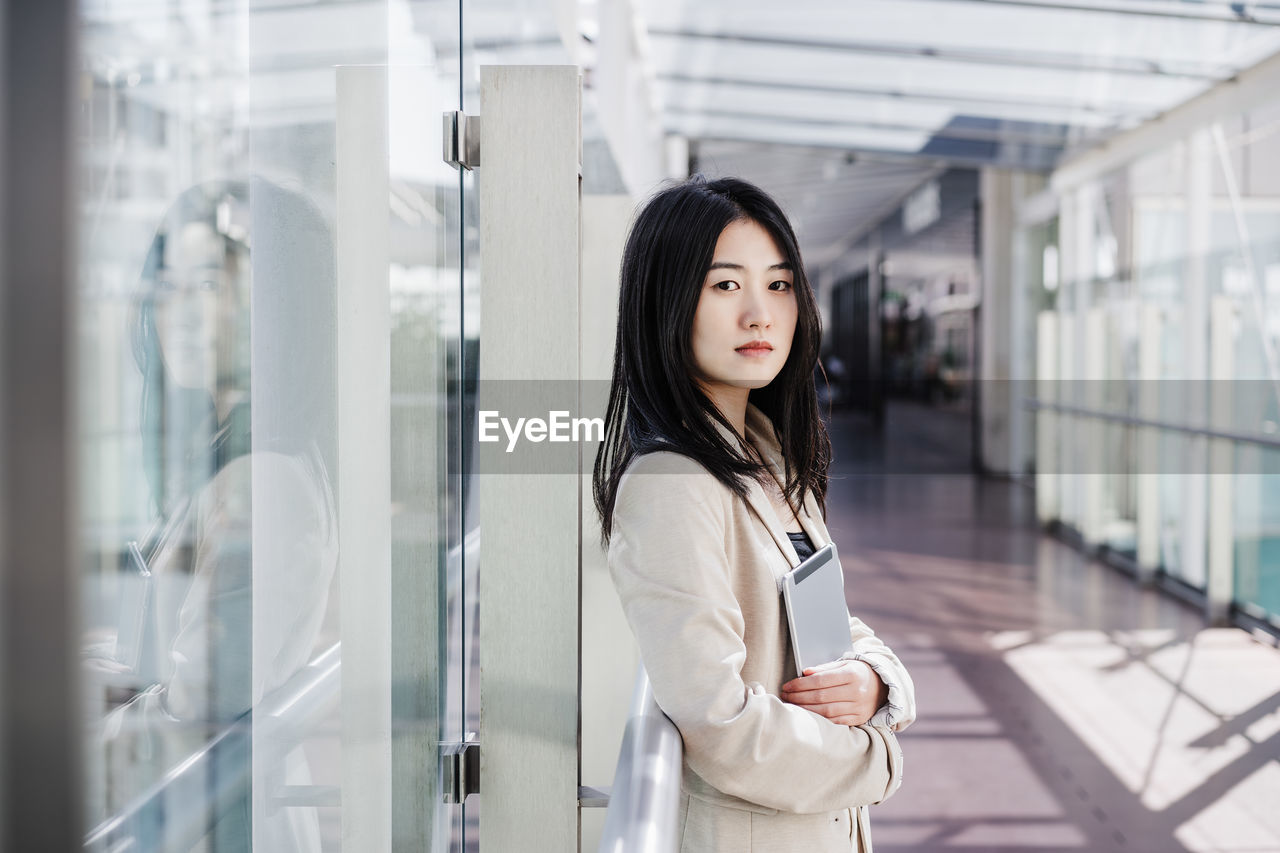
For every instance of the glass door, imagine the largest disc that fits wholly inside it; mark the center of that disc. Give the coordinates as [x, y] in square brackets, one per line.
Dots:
[273, 387]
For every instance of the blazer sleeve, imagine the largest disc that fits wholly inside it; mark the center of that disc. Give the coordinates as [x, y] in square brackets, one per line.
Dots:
[899, 710]
[668, 558]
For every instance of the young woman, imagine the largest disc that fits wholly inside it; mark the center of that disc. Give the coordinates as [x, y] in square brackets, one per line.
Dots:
[711, 485]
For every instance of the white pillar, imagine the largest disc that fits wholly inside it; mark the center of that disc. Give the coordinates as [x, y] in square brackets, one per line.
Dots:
[1150, 338]
[530, 175]
[995, 371]
[1019, 332]
[1077, 240]
[1047, 449]
[1092, 433]
[1220, 579]
[1196, 335]
[364, 455]
[625, 100]
[610, 656]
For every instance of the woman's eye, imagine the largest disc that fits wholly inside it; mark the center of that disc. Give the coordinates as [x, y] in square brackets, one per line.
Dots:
[781, 285]
[726, 285]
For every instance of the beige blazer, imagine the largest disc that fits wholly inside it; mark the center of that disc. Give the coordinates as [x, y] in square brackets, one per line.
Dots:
[697, 569]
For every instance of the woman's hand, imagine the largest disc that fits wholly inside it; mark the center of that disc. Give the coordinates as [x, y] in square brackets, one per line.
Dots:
[846, 692]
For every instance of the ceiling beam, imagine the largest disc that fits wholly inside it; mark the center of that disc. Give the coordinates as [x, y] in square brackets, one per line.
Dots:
[1129, 66]
[1233, 14]
[1249, 90]
[864, 154]
[974, 134]
[1134, 111]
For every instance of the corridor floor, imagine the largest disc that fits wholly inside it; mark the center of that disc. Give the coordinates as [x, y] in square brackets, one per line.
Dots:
[1061, 707]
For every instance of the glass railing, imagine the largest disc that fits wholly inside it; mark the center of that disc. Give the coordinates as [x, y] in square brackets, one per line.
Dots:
[186, 804]
[1234, 464]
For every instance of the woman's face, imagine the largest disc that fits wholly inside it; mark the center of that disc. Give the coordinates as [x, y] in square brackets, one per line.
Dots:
[195, 304]
[746, 314]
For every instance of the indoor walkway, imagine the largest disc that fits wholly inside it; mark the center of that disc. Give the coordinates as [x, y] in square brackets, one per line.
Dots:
[1060, 706]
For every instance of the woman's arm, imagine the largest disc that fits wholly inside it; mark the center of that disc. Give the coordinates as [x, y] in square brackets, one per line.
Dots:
[899, 709]
[263, 559]
[867, 684]
[668, 559]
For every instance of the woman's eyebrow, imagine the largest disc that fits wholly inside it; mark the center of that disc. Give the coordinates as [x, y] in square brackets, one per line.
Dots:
[727, 265]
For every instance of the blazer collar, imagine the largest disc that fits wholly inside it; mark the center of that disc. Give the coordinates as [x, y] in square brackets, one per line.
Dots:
[761, 434]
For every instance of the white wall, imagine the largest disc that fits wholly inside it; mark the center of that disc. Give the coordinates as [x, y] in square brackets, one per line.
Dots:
[609, 654]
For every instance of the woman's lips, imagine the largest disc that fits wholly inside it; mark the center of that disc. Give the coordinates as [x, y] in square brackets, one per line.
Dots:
[755, 350]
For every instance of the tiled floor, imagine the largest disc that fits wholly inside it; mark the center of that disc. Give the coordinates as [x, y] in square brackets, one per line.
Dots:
[1061, 708]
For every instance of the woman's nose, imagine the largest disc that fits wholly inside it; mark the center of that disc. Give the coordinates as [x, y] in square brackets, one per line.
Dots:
[755, 313]
[190, 309]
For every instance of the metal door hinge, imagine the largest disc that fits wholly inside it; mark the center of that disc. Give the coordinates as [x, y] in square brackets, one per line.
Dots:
[461, 764]
[593, 798]
[461, 140]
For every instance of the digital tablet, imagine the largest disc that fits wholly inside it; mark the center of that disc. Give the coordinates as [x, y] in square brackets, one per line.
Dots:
[813, 594]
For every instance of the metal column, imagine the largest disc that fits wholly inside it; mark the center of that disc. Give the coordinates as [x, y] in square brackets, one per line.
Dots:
[40, 717]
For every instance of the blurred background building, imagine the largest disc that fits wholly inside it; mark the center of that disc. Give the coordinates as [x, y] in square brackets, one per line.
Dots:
[250, 309]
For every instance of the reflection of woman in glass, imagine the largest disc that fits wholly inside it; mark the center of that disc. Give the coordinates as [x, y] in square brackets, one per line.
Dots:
[711, 484]
[245, 546]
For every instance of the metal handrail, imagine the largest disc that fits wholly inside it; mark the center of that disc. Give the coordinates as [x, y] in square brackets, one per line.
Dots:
[645, 799]
[1132, 420]
[283, 721]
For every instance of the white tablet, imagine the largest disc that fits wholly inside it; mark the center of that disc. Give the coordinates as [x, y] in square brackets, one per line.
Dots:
[813, 593]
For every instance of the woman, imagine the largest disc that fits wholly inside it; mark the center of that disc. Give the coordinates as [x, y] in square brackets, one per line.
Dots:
[711, 485]
[244, 548]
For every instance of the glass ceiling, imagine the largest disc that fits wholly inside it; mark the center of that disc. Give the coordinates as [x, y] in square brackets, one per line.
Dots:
[1008, 82]
[846, 104]
[1013, 82]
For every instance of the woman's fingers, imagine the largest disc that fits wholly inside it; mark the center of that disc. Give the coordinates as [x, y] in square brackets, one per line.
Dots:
[859, 700]
[843, 713]
[826, 678]
[846, 690]
[831, 674]
[841, 691]
[812, 697]
[832, 706]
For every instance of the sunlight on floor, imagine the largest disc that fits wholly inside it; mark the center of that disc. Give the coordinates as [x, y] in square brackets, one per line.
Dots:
[1161, 715]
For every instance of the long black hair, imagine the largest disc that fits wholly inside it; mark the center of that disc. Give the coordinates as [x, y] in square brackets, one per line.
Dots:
[184, 441]
[654, 403]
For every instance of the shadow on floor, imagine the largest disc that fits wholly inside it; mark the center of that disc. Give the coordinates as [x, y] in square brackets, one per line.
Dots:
[1061, 706]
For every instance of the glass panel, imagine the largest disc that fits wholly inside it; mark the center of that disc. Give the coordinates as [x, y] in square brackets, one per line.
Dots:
[210, 452]
[1246, 239]
[1159, 228]
[1042, 275]
[426, 501]
[468, 369]
[1119, 395]
[1172, 447]
[1257, 530]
